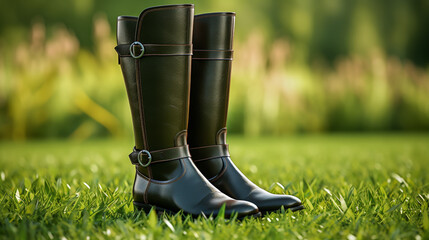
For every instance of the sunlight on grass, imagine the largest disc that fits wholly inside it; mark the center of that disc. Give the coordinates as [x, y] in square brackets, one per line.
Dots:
[353, 187]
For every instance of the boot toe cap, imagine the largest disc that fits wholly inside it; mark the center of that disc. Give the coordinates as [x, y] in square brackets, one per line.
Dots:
[268, 202]
[241, 208]
[213, 202]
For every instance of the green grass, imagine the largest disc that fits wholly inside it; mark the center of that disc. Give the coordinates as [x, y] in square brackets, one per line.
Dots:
[353, 187]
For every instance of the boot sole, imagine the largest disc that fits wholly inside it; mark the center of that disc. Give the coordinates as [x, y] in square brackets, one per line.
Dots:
[293, 209]
[147, 208]
[296, 208]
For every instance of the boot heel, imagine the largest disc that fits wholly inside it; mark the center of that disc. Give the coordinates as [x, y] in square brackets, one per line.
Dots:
[142, 207]
[147, 208]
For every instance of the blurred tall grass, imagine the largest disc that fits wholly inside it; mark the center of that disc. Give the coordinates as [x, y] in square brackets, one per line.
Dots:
[273, 95]
[53, 87]
[50, 87]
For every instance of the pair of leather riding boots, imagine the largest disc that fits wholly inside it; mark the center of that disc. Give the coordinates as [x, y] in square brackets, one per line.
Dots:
[177, 67]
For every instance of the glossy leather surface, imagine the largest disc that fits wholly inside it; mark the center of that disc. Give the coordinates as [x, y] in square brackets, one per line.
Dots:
[190, 193]
[158, 92]
[210, 78]
[208, 112]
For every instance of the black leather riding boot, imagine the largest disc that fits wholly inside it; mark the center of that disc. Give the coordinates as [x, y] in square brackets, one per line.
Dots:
[211, 70]
[155, 56]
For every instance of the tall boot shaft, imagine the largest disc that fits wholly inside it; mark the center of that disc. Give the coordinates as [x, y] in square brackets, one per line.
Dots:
[126, 29]
[211, 72]
[158, 82]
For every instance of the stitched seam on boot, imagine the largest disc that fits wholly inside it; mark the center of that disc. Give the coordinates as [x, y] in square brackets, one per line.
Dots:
[185, 131]
[154, 181]
[227, 92]
[222, 130]
[148, 184]
[141, 108]
[225, 164]
[205, 159]
[205, 15]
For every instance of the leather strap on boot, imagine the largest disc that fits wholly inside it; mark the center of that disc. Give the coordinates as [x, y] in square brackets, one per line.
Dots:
[200, 54]
[138, 50]
[144, 158]
[209, 152]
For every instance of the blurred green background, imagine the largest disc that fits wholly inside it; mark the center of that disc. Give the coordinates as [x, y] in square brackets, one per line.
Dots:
[300, 66]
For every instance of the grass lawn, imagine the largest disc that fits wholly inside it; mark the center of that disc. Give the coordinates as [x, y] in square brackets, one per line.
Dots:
[353, 187]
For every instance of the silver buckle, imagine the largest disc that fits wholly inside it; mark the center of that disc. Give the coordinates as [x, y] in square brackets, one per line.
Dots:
[132, 49]
[140, 158]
